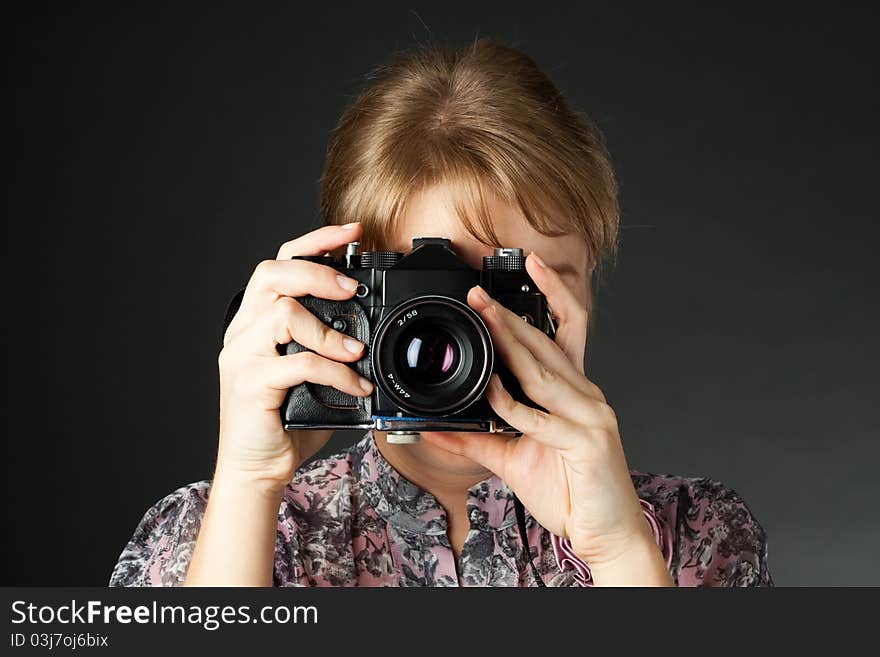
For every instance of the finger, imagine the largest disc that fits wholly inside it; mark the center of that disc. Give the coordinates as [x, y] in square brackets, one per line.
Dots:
[293, 278]
[288, 321]
[551, 430]
[537, 342]
[539, 382]
[489, 450]
[570, 312]
[285, 372]
[320, 241]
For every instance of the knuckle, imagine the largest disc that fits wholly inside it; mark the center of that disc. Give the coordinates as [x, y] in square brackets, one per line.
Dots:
[537, 420]
[262, 271]
[597, 392]
[264, 266]
[314, 334]
[286, 250]
[528, 386]
[532, 386]
[284, 310]
[309, 362]
[287, 305]
[283, 314]
[607, 414]
[541, 379]
[546, 377]
[322, 334]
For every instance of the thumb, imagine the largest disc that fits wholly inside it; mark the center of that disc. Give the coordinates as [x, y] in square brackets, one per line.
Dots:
[487, 449]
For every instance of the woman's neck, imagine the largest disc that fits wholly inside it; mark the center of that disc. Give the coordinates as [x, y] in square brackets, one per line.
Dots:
[444, 475]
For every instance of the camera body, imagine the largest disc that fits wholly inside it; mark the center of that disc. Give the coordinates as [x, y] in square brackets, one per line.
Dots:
[429, 354]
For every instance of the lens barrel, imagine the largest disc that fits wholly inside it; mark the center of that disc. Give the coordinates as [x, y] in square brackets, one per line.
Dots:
[432, 356]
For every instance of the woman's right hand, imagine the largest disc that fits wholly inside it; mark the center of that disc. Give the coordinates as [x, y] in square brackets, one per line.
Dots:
[254, 377]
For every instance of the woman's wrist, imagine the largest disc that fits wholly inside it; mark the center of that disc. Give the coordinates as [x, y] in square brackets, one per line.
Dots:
[268, 480]
[248, 483]
[236, 542]
[641, 563]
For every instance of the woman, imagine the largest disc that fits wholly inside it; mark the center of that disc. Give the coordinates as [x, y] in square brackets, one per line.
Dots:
[476, 145]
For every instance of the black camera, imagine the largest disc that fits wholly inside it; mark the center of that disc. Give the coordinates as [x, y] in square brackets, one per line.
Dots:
[429, 354]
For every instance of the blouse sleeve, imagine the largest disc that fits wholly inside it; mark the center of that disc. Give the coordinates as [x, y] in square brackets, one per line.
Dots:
[719, 542]
[160, 550]
[704, 530]
[566, 558]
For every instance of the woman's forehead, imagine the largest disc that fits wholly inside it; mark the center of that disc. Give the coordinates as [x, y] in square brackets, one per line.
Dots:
[432, 213]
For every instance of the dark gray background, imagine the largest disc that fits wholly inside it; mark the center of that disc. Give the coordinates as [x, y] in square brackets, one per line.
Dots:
[156, 157]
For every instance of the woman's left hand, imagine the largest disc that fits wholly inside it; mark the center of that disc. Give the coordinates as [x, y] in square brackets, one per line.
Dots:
[568, 467]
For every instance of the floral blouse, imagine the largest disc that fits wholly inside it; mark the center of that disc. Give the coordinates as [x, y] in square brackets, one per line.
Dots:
[352, 520]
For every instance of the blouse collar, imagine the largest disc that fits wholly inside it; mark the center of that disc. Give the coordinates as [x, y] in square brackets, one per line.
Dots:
[413, 509]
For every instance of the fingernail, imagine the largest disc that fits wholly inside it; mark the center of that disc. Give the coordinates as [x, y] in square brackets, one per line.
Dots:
[481, 295]
[366, 384]
[495, 382]
[538, 260]
[346, 283]
[350, 226]
[352, 345]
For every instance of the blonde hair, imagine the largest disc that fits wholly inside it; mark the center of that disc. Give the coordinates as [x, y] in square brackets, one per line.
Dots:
[482, 118]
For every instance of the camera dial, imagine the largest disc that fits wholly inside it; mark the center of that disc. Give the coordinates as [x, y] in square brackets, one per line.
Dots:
[505, 259]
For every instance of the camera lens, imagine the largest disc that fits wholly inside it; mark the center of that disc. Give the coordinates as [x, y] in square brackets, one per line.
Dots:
[432, 356]
[427, 353]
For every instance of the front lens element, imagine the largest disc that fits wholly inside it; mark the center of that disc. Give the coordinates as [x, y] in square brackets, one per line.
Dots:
[427, 354]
